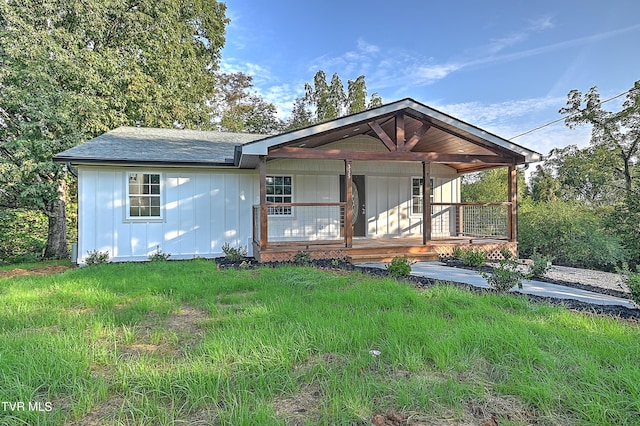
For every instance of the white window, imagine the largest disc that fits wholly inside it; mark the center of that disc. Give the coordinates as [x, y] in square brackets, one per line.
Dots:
[279, 190]
[417, 193]
[144, 195]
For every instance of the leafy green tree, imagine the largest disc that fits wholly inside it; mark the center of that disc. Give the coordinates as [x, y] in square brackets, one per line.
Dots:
[490, 186]
[605, 174]
[300, 116]
[615, 134]
[326, 101]
[544, 187]
[73, 69]
[237, 109]
[356, 95]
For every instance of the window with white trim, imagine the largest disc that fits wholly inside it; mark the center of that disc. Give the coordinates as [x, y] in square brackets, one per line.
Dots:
[417, 193]
[144, 195]
[279, 190]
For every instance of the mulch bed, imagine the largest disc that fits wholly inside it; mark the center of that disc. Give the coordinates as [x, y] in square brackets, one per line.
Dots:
[423, 282]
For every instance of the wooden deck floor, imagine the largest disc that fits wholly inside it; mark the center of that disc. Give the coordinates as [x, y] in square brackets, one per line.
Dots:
[381, 249]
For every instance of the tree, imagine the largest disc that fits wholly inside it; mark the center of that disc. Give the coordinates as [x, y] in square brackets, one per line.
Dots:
[490, 186]
[239, 110]
[617, 133]
[326, 101]
[544, 187]
[72, 70]
[300, 116]
[611, 160]
[583, 175]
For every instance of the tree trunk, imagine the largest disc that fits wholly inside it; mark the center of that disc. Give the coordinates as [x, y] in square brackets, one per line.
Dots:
[57, 235]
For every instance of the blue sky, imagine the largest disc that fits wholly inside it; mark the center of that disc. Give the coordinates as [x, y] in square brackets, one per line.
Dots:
[505, 66]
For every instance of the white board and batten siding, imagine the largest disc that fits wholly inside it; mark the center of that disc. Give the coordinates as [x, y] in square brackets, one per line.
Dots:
[201, 210]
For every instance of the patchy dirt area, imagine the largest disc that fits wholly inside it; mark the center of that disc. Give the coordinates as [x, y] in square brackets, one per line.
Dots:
[38, 270]
[165, 338]
[303, 406]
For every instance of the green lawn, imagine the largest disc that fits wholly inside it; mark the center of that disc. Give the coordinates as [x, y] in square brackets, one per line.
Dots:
[184, 343]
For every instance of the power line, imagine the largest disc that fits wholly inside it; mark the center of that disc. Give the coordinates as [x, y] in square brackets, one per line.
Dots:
[564, 118]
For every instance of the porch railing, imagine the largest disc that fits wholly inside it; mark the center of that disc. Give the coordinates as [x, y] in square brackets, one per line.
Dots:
[294, 222]
[482, 220]
[324, 222]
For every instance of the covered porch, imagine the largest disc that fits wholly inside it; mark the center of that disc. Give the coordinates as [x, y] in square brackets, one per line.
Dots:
[372, 155]
[484, 227]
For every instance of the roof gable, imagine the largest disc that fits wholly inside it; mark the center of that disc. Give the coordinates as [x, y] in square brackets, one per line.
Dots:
[424, 128]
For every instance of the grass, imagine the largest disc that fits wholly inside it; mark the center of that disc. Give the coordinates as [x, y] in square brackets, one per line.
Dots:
[182, 342]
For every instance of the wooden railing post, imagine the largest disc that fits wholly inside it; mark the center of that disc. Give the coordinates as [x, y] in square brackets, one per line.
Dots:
[512, 225]
[348, 211]
[426, 202]
[264, 212]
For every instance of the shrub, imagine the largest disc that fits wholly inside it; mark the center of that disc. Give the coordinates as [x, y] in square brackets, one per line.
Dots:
[474, 258]
[23, 237]
[96, 257]
[302, 258]
[505, 276]
[457, 253]
[159, 256]
[541, 264]
[572, 235]
[234, 254]
[633, 281]
[400, 266]
[506, 253]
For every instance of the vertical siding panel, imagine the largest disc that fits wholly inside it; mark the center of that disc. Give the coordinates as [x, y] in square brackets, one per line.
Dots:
[245, 198]
[172, 214]
[187, 212]
[231, 202]
[104, 212]
[202, 214]
[218, 207]
[87, 206]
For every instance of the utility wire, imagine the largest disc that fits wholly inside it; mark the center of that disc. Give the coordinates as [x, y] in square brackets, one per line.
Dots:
[564, 118]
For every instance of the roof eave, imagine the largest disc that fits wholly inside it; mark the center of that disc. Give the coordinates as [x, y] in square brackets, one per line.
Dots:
[144, 163]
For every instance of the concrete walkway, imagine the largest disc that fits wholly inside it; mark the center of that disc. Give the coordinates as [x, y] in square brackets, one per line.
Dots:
[438, 271]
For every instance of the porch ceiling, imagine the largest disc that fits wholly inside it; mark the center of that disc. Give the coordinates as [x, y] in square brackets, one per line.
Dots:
[410, 132]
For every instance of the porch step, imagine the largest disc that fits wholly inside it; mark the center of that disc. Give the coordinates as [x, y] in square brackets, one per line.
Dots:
[388, 257]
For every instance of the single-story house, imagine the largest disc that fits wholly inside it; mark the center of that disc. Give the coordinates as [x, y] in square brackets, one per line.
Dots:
[367, 186]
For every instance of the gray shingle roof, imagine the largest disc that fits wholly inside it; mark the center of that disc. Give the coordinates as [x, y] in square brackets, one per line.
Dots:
[160, 146]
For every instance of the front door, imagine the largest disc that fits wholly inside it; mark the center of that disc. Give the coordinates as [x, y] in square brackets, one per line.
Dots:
[359, 216]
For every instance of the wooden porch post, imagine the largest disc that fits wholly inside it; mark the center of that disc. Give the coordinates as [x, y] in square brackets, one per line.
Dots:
[513, 208]
[348, 211]
[426, 202]
[264, 219]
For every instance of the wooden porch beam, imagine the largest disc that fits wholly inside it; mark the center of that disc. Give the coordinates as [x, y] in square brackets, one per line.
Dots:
[348, 209]
[426, 202]
[382, 135]
[432, 157]
[512, 224]
[413, 140]
[400, 132]
[264, 213]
